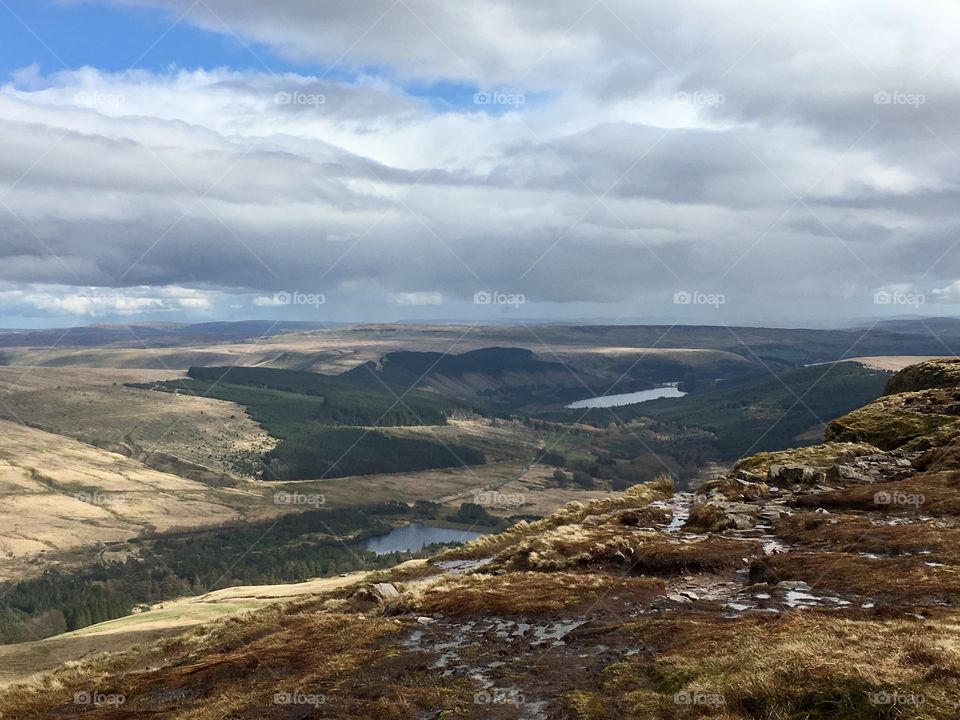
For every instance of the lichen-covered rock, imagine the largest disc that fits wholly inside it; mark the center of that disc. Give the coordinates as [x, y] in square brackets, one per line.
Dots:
[717, 515]
[925, 375]
[818, 456]
[781, 474]
[734, 488]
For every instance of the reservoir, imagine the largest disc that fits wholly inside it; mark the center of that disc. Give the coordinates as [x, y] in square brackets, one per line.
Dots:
[606, 401]
[415, 537]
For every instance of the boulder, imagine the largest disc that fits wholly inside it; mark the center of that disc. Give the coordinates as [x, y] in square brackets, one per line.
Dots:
[386, 591]
[735, 487]
[717, 515]
[786, 474]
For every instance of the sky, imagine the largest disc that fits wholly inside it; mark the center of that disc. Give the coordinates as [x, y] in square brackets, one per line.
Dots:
[746, 162]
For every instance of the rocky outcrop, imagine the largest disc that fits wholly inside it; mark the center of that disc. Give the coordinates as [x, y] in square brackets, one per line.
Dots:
[925, 376]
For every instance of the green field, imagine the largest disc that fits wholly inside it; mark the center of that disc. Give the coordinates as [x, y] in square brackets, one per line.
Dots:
[326, 424]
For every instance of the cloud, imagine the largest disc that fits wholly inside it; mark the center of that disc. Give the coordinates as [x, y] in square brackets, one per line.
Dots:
[99, 302]
[417, 298]
[738, 149]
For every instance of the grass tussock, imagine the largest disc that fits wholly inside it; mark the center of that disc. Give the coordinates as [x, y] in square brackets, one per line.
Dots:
[572, 514]
[529, 593]
[855, 533]
[796, 666]
[905, 579]
[235, 676]
[611, 546]
[936, 494]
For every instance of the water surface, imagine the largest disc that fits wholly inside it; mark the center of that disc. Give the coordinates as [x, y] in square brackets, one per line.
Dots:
[415, 537]
[605, 401]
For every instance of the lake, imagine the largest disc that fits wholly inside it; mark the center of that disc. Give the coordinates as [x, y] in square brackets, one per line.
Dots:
[415, 537]
[605, 401]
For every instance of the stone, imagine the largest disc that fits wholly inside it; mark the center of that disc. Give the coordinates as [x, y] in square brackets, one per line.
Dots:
[796, 473]
[386, 591]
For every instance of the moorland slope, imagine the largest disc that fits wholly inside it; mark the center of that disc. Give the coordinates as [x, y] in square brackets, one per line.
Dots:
[814, 583]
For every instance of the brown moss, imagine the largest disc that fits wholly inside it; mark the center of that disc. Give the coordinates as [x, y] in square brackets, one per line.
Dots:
[854, 533]
[709, 555]
[936, 494]
[529, 593]
[901, 579]
[237, 677]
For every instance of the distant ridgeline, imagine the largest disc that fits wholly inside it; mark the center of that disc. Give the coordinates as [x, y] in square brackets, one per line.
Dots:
[405, 368]
[323, 422]
[514, 381]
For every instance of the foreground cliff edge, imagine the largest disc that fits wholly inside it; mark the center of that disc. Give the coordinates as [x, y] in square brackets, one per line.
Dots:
[820, 582]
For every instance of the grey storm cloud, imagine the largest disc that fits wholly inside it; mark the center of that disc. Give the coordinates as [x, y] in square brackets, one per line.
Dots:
[658, 148]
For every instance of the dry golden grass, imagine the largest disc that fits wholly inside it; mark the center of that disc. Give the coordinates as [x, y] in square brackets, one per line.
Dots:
[23, 379]
[611, 545]
[892, 363]
[142, 424]
[58, 495]
[572, 515]
[810, 665]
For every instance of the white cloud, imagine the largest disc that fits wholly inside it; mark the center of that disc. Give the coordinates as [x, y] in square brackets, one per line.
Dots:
[617, 182]
[98, 302]
[416, 298]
